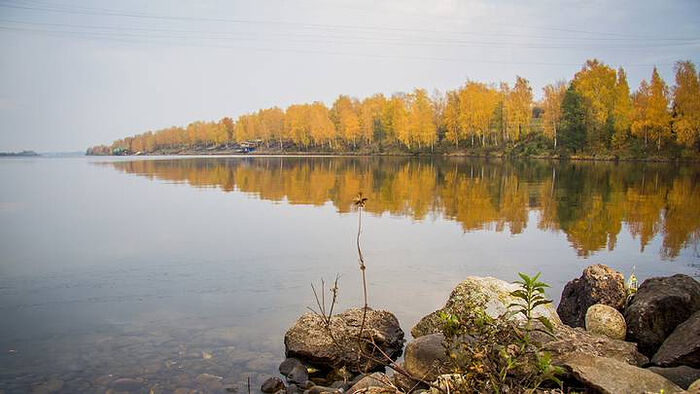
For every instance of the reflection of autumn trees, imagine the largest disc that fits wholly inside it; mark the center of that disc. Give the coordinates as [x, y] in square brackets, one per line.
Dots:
[589, 202]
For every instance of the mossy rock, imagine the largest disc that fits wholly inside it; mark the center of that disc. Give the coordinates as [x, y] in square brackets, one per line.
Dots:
[490, 295]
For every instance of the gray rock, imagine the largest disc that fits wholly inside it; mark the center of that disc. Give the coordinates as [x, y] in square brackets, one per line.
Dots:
[406, 384]
[127, 384]
[598, 284]
[425, 357]
[682, 347]
[606, 375]
[210, 382]
[490, 294]
[298, 375]
[337, 346]
[605, 320]
[568, 340]
[683, 376]
[376, 379]
[288, 364]
[272, 385]
[658, 307]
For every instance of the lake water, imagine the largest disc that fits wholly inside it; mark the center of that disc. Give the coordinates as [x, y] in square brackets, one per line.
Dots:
[161, 269]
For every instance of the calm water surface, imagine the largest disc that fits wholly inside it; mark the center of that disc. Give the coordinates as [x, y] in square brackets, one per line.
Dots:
[159, 270]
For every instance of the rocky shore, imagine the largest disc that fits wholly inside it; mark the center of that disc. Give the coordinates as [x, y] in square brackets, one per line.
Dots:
[603, 337]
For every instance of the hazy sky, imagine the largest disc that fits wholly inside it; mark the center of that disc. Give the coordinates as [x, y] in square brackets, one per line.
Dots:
[75, 73]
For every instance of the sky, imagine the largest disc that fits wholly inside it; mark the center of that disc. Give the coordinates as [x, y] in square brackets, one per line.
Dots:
[76, 73]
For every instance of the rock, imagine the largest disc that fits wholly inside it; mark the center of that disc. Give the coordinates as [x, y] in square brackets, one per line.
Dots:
[298, 375]
[50, 386]
[288, 365]
[658, 307]
[127, 384]
[339, 384]
[405, 383]
[599, 284]
[695, 387]
[683, 376]
[568, 340]
[322, 389]
[210, 382]
[606, 320]
[425, 357]
[272, 385]
[606, 375]
[309, 340]
[682, 347]
[376, 379]
[490, 294]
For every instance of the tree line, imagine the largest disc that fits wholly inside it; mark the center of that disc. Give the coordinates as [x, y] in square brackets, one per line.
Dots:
[594, 112]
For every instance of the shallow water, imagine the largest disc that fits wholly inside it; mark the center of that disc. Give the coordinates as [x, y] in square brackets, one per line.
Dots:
[160, 270]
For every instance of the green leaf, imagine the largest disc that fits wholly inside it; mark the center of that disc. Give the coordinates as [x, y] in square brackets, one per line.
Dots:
[546, 322]
[541, 302]
[525, 278]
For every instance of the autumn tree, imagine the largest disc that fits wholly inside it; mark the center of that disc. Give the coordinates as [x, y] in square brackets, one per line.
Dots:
[321, 127]
[421, 127]
[453, 132]
[596, 85]
[396, 118]
[344, 116]
[370, 116]
[272, 121]
[518, 106]
[622, 110]
[651, 118]
[552, 104]
[686, 104]
[296, 124]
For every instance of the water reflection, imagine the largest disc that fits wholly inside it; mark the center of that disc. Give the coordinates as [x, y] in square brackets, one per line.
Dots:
[589, 202]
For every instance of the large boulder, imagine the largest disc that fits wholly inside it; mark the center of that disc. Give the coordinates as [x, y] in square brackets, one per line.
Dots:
[683, 376]
[682, 347]
[658, 307]
[336, 345]
[606, 320]
[606, 375]
[599, 284]
[490, 294]
[568, 340]
[425, 357]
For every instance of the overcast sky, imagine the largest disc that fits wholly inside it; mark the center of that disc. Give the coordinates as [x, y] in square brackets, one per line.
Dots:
[76, 73]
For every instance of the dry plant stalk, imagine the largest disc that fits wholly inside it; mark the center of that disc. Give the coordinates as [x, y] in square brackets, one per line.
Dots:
[321, 302]
[360, 202]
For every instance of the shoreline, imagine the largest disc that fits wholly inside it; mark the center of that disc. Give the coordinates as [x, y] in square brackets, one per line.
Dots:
[229, 153]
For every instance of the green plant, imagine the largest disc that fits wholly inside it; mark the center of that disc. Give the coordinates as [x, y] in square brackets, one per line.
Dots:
[531, 294]
[497, 355]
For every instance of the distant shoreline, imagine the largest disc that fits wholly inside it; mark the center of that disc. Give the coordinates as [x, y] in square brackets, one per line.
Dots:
[24, 153]
[490, 155]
